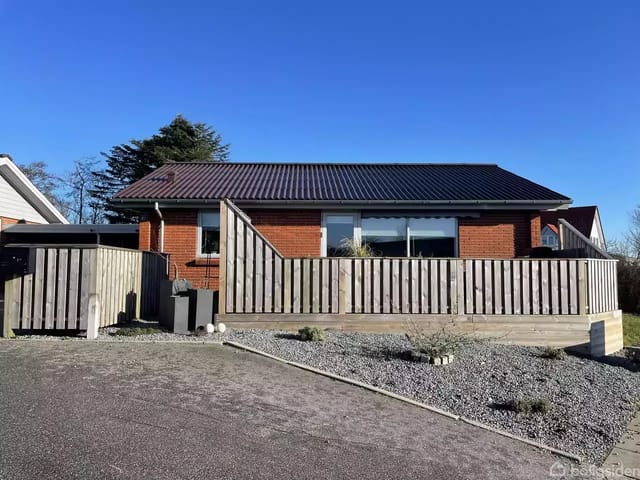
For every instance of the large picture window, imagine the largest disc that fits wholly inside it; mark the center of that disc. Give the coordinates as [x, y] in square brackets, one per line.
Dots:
[209, 233]
[394, 236]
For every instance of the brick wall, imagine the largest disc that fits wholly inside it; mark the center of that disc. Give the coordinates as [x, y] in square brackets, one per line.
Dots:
[498, 235]
[295, 233]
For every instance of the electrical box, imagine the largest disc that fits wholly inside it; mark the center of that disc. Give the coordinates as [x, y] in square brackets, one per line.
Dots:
[17, 260]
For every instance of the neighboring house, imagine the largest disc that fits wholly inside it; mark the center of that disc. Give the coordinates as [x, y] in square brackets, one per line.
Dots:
[585, 219]
[443, 210]
[20, 200]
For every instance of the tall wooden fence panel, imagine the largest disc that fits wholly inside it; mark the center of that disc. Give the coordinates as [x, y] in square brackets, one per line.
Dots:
[56, 295]
[258, 279]
[572, 240]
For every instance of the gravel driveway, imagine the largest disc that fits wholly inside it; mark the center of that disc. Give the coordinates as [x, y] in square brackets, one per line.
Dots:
[74, 409]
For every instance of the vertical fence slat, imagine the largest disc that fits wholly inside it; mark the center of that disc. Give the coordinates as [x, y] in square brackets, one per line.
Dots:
[357, 284]
[61, 308]
[469, 286]
[259, 270]
[414, 280]
[516, 284]
[248, 269]
[444, 286]
[395, 286]
[335, 285]
[230, 271]
[488, 287]
[573, 287]
[434, 280]
[535, 287]
[564, 288]
[315, 285]
[38, 288]
[479, 286]
[555, 288]
[497, 287]
[376, 285]
[366, 285]
[386, 285]
[27, 298]
[405, 292]
[50, 299]
[326, 286]
[296, 296]
[544, 287]
[508, 296]
[526, 288]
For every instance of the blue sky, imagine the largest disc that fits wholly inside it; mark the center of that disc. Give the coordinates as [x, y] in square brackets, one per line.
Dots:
[548, 89]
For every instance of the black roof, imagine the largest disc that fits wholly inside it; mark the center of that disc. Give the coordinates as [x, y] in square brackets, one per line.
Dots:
[345, 182]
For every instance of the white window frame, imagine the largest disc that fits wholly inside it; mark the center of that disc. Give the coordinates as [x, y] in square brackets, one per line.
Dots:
[357, 230]
[199, 254]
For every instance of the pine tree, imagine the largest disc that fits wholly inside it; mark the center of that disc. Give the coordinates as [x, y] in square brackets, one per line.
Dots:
[180, 141]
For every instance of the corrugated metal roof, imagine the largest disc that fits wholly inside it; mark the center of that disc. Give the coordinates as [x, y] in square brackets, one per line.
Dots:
[337, 182]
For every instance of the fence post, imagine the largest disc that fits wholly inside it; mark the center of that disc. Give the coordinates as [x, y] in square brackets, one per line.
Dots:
[583, 294]
[93, 322]
[222, 275]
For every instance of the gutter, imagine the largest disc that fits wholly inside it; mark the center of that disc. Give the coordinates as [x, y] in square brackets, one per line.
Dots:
[157, 209]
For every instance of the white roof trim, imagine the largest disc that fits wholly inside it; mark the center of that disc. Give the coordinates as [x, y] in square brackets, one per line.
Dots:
[18, 180]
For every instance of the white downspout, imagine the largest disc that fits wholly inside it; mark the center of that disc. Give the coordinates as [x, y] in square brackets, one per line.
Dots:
[161, 227]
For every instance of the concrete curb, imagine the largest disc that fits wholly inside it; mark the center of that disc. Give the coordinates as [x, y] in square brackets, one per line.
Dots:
[406, 400]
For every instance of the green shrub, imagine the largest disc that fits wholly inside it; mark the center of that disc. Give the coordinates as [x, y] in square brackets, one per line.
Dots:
[132, 332]
[529, 405]
[551, 353]
[311, 334]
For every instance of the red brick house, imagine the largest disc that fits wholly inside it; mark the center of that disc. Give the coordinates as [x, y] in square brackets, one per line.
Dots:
[439, 210]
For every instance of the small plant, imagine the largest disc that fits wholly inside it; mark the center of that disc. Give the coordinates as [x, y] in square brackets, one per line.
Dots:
[355, 248]
[437, 344]
[529, 405]
[551, 353]
[132, 332]
[311, 334]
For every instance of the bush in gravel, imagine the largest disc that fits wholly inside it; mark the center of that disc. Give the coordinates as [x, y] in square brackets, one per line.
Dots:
[529, 405]
[132, 332]
[439, 343]
[551, 353]
[311, 334]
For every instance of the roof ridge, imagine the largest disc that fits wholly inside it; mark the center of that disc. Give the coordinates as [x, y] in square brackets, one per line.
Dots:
[382, 164]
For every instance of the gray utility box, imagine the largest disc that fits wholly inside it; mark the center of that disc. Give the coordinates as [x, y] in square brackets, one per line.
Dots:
[178, 314]
[200, 307]
[167, 289]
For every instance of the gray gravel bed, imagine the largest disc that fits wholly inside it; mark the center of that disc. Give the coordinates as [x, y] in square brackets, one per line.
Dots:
[591, 401]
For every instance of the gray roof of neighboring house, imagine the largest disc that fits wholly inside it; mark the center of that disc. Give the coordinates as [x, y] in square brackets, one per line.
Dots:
[345, 182]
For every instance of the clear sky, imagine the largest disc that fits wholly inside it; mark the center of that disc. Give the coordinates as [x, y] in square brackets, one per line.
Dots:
[547, 89]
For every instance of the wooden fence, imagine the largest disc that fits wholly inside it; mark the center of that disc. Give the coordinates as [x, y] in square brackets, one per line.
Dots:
[256, 278]
[58, 294]
[572, 240]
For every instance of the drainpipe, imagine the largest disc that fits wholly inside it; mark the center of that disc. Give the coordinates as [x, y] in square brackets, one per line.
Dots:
[161, 227]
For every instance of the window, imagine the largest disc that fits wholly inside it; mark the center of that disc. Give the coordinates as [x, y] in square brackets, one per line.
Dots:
[413, 237]
[338, 229]
[209, 232]
[385, 236]
[550, 239]
[432, 237]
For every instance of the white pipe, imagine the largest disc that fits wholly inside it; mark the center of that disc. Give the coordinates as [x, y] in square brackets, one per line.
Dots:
[161, 227]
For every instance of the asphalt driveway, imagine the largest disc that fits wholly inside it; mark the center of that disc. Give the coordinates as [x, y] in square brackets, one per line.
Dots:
[81, 409]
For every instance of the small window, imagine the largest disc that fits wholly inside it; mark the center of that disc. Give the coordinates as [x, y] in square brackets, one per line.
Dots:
[339, 229]
[209, 223]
